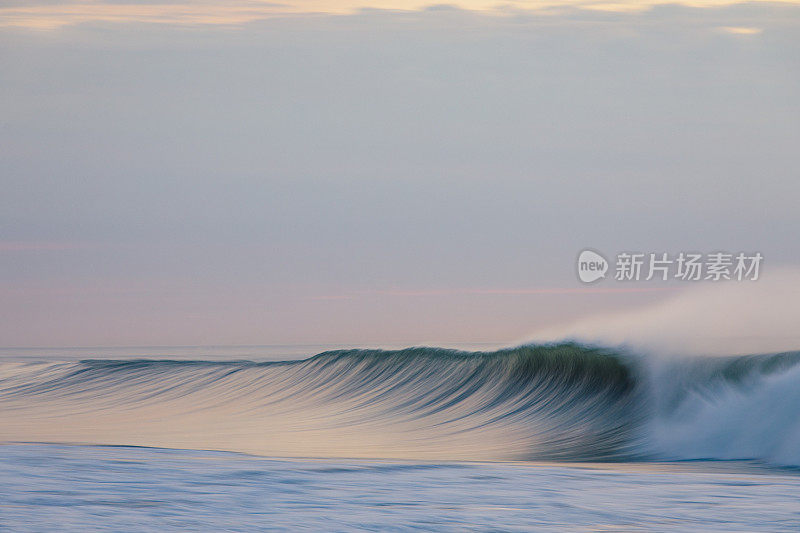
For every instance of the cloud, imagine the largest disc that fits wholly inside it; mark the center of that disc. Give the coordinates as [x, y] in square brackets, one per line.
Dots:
[48, 15]
[38, 246]
[467, 291]
[741, 30]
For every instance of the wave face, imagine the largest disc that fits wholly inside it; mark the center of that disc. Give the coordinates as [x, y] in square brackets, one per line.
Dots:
[554, 402]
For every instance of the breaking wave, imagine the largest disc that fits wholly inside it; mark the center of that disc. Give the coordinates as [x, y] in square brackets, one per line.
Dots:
[563, 402]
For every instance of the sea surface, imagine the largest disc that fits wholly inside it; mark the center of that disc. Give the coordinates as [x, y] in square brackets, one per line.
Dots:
[552, 437]
[87, 488]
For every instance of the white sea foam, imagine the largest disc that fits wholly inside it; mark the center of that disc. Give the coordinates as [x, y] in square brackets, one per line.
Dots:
[754, 416]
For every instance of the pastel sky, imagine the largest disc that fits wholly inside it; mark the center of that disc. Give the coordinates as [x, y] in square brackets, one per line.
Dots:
[315, 172]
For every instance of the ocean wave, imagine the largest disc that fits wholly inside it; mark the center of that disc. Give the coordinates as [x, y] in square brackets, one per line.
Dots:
[564, 402]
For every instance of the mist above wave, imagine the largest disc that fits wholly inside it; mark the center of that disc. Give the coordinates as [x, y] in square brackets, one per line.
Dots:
[707, 318]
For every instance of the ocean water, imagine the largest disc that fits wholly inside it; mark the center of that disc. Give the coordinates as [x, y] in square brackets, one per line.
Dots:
[552, 437]
[80, 488]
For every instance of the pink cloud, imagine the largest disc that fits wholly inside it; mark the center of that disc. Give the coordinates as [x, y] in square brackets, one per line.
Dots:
[27, 246]
[501, 291]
